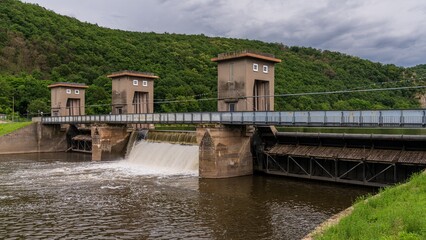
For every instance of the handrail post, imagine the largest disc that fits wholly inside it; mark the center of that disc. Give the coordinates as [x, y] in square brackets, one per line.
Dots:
[325, 119]
[266, 118]
[309, 118]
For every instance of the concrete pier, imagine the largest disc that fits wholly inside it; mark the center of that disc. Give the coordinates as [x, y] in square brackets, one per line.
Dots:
[224, 151]
[108, 140]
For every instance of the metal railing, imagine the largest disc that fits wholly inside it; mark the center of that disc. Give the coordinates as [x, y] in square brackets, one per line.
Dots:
[366, 118]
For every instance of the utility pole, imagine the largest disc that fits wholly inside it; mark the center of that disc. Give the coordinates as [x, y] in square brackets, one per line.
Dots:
[13, 108]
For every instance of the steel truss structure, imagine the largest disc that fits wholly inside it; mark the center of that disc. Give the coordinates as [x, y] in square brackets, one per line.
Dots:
[360, 172]
[81, 145]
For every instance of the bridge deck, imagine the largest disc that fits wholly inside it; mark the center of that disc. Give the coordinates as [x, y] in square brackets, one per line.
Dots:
[373, 118]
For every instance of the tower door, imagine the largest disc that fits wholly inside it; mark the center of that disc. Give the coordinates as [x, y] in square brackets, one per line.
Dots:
[140, 102]
[261, 98]
[73, 107]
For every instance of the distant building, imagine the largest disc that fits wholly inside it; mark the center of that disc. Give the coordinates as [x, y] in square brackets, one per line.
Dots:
[67, 99]
[132, 92]
[245, 81]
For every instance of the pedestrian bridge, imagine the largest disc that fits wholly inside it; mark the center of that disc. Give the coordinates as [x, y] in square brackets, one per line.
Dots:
[366, 118]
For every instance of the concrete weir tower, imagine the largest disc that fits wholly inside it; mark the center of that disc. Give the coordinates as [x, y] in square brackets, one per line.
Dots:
[133, 92]
[67, 99]
[245, 83]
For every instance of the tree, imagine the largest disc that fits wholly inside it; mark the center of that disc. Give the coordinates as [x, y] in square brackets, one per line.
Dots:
[39, 106]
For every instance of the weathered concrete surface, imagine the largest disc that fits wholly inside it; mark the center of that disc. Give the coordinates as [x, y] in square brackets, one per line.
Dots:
[34, 138]
[224, 152]
[109, 141]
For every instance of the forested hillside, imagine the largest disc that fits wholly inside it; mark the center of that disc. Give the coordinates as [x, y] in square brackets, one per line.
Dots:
[419, 72]
[38, 47]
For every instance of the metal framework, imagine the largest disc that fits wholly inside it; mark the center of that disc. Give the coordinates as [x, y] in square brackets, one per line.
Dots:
[360, 172]
[84, 146]
[378, 118]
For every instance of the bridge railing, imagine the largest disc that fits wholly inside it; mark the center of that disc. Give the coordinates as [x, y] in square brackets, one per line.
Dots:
[367, 118]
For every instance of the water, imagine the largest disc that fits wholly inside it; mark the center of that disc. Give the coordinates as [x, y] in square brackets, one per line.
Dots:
[65, 196]
[163, 159]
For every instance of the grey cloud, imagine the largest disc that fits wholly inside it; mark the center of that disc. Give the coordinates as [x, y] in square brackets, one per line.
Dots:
[382, 30]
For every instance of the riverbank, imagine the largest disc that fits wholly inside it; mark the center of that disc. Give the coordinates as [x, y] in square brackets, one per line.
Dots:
[395, 213]
[8, 127]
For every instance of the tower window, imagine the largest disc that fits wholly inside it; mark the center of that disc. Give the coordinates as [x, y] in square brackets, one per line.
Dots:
[232, 107]
[145, 83]
[265, 69]
[255, 67]
[135, 82]
[68, 91]
[77, 91]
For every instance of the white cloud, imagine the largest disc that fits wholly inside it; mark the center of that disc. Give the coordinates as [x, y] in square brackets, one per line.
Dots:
[380, 30]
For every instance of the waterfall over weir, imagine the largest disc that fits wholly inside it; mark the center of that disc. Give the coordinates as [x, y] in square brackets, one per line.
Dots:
[164, 158]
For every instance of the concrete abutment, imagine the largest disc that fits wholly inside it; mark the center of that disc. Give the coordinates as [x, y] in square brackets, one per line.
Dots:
[34, 138]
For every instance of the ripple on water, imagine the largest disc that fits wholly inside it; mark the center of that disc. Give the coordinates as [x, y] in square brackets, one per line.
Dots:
[81, 200]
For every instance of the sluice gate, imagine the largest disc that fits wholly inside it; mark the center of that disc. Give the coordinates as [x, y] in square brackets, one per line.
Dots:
[363, 159]
[79, 139]
[81, 143]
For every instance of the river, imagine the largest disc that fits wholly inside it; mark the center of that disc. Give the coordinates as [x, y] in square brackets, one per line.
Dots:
[66, 196]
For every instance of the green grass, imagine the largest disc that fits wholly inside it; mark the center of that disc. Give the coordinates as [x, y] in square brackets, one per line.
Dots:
[395, 213]
[6, 128]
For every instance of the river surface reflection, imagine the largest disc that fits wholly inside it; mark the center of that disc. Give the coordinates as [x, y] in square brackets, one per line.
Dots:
[65, 196]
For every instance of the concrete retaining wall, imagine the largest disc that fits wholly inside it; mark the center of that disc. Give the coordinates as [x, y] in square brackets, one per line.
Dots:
[34, 138]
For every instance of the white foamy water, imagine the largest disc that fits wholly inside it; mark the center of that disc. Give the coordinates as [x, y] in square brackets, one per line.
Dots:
[153, 158]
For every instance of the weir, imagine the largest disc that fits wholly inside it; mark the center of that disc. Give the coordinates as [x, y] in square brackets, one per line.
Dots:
[164, 158]
[222, 151]
[363, 159]
[236, 150]
[241, 137]
[175, 137]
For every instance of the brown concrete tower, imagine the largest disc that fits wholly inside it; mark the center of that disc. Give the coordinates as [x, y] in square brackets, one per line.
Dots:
[245, 81]
[67, 99]
[132, 92]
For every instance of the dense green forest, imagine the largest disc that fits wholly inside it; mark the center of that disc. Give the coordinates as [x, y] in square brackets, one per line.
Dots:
[39, 47]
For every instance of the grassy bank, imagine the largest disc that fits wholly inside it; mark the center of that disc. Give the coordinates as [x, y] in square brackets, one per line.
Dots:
[6, 128]
[395, 213]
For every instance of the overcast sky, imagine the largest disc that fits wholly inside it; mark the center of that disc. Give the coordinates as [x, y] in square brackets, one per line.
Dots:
[387, 31]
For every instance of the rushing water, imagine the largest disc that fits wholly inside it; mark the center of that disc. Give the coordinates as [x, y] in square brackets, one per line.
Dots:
[65, 196]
